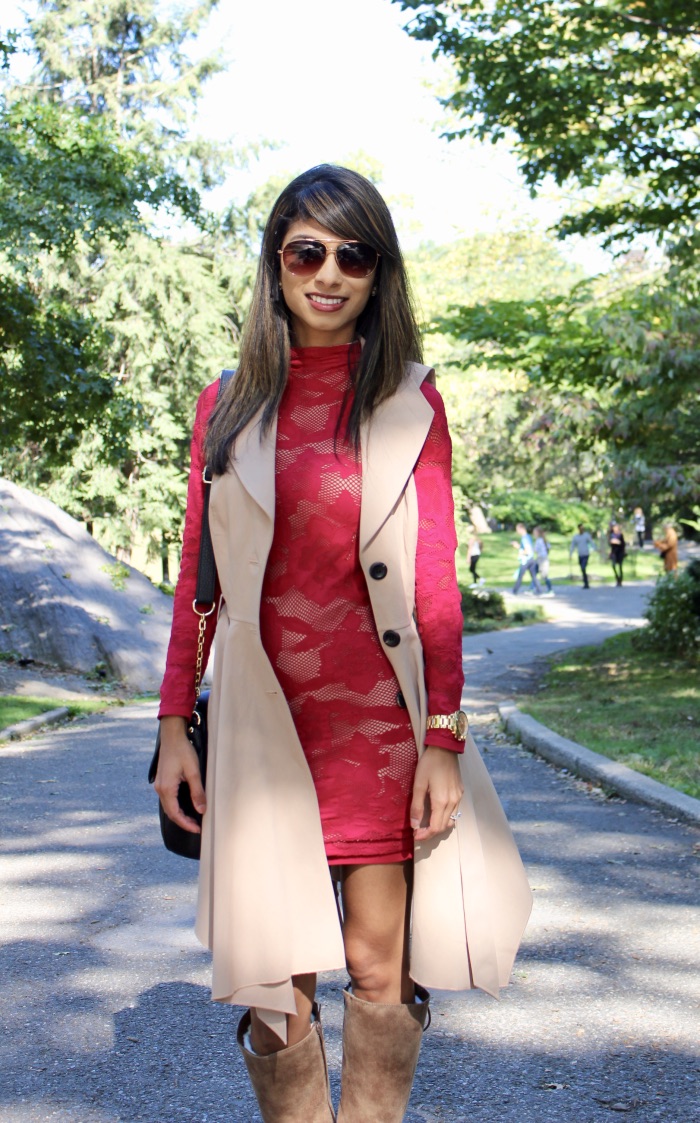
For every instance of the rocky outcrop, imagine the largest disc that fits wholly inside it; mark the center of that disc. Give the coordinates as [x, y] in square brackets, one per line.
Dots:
[65, 601]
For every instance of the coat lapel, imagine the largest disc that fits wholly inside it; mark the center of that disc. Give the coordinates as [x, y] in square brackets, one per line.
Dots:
[391, 444]
[254, 463]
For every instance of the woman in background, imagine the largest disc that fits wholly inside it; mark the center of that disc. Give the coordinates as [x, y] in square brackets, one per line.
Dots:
[473, 555]
[616, 542]
[640, 526]
[542, 549]
[668, 548]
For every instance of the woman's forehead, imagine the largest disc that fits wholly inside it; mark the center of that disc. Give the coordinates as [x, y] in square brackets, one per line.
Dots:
[309, 228]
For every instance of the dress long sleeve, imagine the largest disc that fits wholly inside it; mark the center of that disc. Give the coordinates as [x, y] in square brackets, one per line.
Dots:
[177, 692]
[438, 600]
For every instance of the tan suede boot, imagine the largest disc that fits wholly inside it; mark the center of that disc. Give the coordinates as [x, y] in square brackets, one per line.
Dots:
[291, 1086]
[380, 1054]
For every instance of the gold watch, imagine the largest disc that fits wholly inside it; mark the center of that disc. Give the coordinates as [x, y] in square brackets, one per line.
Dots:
[458, 724]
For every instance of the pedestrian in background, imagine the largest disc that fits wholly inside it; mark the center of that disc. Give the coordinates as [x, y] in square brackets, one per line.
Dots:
[526, 559]
[582, 543]
[640, 526]
[668, 548]
[616, 542]
[542, 549]
[473, 555]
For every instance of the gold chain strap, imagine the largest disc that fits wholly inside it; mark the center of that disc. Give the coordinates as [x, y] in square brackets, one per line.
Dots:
[198, 671]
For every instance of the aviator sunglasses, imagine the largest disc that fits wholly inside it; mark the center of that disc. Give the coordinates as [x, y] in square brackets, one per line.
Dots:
[304, 257]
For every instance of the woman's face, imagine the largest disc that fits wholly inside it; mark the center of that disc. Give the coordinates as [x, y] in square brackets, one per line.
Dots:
[324, 308]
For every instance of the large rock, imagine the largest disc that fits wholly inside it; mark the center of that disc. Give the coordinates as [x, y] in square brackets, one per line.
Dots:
[58, 600]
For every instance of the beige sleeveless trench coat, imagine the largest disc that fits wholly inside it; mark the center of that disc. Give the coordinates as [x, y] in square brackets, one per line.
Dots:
[266, 906]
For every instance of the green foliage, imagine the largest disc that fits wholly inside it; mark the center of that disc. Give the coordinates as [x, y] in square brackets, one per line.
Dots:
[586, 91]
[674, 615]
[613, 368]
[90, 148]
[494, 412]
[118, 575]
[536, 509]
[483, 604]
[173, 314]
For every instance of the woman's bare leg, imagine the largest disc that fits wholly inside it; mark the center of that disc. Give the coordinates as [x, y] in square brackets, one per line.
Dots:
[376, 911]
[264, 1041]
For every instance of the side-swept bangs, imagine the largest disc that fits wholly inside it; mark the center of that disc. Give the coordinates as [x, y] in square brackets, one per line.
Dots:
[351, 207]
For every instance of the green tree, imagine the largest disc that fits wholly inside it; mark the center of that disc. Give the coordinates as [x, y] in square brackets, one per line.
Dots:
[615, 363]
[584, 91]
[495, 412]
[174, 315]
[91, 146]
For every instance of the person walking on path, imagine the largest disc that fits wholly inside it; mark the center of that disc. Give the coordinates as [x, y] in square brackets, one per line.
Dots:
[640, 526]
[582, 543]
[339, 761]
[542, 549]
[527, 562]
[473, 555]
[668, 548]
[616, 542]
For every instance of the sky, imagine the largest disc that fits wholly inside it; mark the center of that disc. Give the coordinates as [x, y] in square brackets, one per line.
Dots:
[322, 80]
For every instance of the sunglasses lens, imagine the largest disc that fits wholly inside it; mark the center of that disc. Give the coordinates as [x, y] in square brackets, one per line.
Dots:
[356, 259]
[304, 258]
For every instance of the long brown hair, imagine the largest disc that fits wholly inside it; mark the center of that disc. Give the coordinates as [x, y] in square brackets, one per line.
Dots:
[351, 207]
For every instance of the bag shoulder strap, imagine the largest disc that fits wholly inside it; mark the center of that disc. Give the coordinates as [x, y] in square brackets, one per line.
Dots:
[206, 568]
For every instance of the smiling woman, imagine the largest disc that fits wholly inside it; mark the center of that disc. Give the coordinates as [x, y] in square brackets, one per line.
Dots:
[326, 284]
[339, 760]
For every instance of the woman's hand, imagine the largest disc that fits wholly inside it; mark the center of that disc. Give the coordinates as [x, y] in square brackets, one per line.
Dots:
[437, 791]
[177, 762]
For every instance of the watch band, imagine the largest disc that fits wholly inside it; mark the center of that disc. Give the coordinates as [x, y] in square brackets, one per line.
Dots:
[457, 724]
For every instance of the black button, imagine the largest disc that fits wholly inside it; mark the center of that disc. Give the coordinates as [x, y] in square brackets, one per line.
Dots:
[391, 639]
[378, 571]
[400, 700]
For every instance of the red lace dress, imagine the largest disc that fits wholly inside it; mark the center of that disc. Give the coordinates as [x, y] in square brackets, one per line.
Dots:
[316, 620]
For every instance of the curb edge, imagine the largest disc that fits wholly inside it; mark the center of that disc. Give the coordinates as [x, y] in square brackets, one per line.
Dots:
[23, 728]
[590, 765]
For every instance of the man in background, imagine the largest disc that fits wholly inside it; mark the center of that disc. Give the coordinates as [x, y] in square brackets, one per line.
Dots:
[583, 544]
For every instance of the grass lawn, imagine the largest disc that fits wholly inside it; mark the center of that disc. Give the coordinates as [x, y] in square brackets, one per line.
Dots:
[633, 706]
[499, 562]
[14, 708]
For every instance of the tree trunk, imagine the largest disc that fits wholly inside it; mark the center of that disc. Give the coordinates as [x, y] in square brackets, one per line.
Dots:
[165, 561]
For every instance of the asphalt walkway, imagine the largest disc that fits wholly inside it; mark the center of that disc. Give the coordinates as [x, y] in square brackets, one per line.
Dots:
[106, 1016]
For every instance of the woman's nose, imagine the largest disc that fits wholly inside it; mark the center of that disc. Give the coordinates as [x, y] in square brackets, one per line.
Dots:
[329, 273]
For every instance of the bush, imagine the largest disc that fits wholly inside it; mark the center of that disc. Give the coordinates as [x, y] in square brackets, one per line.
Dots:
[535, 509]
[674, 615]
[483, 604]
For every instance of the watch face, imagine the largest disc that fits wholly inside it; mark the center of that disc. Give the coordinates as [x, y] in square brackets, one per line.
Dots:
[462, 726]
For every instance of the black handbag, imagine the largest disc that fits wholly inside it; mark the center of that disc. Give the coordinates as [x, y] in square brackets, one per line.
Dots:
[176, 838]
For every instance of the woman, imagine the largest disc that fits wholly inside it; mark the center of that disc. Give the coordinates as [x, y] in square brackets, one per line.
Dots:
[473, 555]
[640, 526]
[542, 555]
[616, 542]
[336, 751]
[668, 548]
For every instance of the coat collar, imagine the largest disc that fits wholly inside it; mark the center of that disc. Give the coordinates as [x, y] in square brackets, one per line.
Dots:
[390, 446]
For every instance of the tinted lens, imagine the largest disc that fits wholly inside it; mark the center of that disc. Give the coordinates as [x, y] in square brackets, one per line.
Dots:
[355, 259]
[304, 258]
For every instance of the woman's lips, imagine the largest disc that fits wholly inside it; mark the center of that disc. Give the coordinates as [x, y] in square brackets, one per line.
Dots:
[325, 303]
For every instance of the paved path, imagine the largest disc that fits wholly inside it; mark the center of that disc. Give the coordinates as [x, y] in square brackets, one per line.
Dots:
[106, 1017]
[498, 665]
